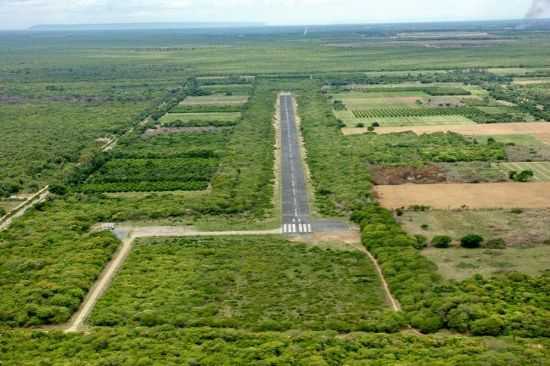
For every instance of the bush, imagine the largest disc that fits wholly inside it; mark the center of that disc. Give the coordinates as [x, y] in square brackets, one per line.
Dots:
[427, 321]
[471, 241]
[491, 326]
[421, 242]
[3, 212]
[441, 241]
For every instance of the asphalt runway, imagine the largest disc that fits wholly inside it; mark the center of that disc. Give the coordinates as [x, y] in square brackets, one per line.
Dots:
[296, 215]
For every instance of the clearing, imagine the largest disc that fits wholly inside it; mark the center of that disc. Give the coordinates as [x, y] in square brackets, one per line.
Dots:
[515, 227]
[459, 264]
[454, 196]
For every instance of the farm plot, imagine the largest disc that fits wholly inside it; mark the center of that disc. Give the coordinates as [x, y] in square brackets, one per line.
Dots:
[474, 196]
[229, 89]
[153, 175]
[541, 170]
[351, 121]
[217, 119]
[261, 283]
[161, 163]
[494, 129]
[215, 100]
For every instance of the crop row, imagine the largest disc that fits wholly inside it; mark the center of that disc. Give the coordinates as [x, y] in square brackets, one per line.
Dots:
[396, 112]
[155, 170]
[200, 123]
[206, 108]
[176, 145]
[162, 186]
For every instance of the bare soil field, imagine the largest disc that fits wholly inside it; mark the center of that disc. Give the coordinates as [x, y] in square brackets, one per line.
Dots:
[473, 196]
[539, 129]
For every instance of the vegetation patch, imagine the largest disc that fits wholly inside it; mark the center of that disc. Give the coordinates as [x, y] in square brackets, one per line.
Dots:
[212, 347]
[260, 283]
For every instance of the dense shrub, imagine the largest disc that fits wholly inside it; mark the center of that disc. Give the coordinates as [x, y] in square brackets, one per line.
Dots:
[471, 241]
[441, 241]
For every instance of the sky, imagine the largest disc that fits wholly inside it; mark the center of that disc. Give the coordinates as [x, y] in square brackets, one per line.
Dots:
[21, 14]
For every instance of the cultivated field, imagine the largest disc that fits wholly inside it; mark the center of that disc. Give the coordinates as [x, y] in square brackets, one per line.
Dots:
[474, 196]
[189, 117]
[541, 170]
[351, 120]
[210, 100]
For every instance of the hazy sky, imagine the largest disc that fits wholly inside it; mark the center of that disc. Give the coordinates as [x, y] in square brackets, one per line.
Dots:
[24, 13]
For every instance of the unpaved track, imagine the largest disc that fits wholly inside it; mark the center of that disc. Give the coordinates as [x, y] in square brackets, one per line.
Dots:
[20, 210]
[392, 301]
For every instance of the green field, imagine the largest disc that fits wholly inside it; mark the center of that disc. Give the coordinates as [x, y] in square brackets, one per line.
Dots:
[541, 169]
[200, 117]
[350, 120]
[215, 100]
[259, 283]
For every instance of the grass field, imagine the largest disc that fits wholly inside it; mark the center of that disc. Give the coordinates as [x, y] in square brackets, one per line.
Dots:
[459, 264]
[261, 283]
[541, 169]
[215, 100]
[517, 228]
[203, 117]
[351, 121]
[455, 196]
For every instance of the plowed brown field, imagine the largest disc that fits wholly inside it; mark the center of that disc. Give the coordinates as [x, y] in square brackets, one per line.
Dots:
[475, 196]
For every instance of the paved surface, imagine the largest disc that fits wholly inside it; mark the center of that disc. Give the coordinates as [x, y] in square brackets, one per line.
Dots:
[296, 213]
[296, 216]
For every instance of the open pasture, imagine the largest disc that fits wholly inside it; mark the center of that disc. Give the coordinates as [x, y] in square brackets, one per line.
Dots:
[523, 228]
[473, 196]
[261, 283]
[460, 264]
